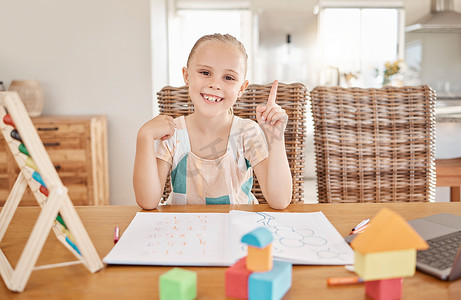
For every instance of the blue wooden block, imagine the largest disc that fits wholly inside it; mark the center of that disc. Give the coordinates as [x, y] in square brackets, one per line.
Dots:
[272, 284]
[260, 237]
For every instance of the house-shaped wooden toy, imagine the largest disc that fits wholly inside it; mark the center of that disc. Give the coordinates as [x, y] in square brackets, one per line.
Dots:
[259, 258]
[387, 249]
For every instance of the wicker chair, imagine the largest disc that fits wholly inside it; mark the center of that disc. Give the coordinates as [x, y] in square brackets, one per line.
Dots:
[174, 101]
[374, 145]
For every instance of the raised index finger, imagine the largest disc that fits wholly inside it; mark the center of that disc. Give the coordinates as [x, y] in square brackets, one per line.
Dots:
[273, 93]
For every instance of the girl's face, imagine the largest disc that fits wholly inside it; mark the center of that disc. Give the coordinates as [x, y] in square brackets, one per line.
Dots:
[216, 77]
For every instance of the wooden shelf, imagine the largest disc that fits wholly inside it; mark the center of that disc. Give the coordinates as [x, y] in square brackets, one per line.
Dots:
[77, 146]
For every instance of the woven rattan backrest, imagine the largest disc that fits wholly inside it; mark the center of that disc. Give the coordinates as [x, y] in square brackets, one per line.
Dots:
[374, 145]
[174, 101]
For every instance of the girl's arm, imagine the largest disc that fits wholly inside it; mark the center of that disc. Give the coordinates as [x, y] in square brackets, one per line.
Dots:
[274, 174]
[150, 173]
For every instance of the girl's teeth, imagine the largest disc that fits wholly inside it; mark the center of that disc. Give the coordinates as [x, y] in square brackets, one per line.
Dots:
[212, 99]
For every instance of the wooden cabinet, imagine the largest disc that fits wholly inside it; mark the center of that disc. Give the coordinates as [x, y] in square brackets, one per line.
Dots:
[77, 146]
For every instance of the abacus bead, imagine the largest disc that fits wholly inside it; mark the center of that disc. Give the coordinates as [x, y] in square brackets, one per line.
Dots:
[8, 120]
[15, 135]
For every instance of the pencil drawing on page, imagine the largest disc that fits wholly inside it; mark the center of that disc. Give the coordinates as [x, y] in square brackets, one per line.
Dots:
[178, 236]
[305, 237]
[214, 239]
[290, 237]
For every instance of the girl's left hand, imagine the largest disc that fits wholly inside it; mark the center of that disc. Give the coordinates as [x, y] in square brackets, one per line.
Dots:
[271, 117]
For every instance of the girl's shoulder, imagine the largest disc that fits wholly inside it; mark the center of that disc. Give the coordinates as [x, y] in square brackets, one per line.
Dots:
[247, 130]
[243, 123]
[252, 140]
[248, 127]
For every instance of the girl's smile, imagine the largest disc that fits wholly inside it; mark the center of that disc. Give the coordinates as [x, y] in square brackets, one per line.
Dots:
[211, 98]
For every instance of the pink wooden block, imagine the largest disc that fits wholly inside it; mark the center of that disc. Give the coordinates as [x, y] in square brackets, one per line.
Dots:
[384, 289]
[237, 280]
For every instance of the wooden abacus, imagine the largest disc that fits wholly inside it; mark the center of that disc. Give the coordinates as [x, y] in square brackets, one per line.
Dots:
[57, 210]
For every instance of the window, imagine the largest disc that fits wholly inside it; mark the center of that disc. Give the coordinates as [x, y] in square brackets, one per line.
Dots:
[188, 25]
[357, 42]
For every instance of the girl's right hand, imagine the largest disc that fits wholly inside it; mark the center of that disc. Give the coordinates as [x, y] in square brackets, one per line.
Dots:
[159, 128]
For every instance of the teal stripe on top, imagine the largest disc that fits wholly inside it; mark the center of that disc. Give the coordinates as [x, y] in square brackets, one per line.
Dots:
[247, 163]
[178, 176]
[246, 188]
[219, 200]
[248, 185]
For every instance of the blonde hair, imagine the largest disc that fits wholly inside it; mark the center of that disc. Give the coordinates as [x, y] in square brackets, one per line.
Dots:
[224, 38]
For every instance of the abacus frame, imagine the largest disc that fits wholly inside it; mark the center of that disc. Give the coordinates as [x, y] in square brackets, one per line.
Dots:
[57, 202]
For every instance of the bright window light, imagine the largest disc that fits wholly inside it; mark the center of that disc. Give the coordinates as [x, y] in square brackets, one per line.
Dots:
[189, 25]
[358, 41]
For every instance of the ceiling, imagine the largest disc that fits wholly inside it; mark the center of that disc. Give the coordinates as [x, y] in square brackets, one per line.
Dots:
[284, 15]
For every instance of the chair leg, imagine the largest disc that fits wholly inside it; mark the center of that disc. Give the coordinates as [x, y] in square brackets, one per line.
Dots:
[455, 193]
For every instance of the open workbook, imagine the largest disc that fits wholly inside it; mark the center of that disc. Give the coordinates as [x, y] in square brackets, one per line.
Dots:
[213, 239]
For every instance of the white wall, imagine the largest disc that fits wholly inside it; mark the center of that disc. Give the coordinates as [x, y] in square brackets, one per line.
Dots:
[159, 41]
[91, 57]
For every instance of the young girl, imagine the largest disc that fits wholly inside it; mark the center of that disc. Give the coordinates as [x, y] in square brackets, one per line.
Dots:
[211, 152]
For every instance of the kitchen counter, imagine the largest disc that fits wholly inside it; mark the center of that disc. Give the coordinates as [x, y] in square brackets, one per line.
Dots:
[448, 111]
[448, 118]
[448, 127]
[447, 142]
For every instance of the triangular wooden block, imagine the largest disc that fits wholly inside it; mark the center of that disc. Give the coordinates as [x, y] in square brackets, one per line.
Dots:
[57, 210]
[388, 231]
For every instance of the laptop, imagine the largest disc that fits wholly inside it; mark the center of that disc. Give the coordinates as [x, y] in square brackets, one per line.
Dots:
[443, 234]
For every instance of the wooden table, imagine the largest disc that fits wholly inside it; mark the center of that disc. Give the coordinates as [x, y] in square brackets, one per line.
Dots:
[141, 282]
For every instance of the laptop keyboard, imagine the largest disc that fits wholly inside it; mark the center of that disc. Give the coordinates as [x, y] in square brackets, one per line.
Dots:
[442, 251]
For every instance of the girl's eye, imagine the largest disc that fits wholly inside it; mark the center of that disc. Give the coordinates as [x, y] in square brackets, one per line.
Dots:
[229, 78]
[206, 73]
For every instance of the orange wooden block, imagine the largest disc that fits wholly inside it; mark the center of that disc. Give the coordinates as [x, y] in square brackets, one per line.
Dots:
[259, 259]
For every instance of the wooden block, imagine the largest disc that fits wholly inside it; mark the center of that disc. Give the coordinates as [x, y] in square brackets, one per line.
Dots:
[384, 289]
[270, 285]
[260, 237]
[237, 280]
[178, 284]
[383, 265]
[259, 259]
